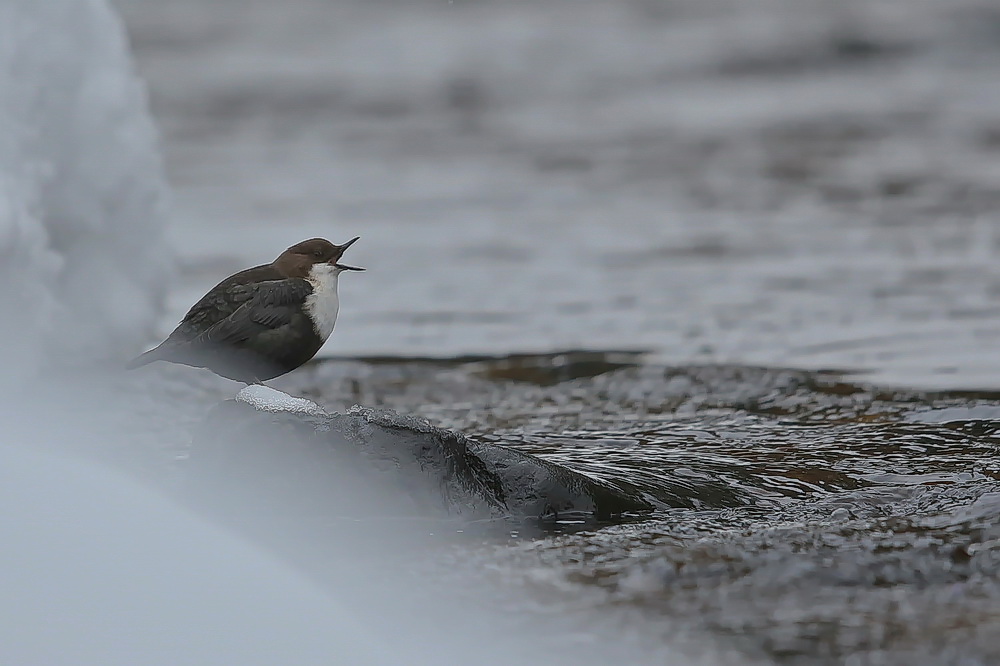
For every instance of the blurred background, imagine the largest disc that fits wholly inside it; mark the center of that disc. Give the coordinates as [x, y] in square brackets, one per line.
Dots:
[805, 183]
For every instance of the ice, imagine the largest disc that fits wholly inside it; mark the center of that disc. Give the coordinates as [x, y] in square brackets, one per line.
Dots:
[268, 399]
[391, 419]
[82, 194]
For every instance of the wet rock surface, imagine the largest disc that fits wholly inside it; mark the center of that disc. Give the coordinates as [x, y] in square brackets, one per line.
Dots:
[394, 461]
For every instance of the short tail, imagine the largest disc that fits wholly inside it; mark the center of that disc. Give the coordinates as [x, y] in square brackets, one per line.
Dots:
[144, 359]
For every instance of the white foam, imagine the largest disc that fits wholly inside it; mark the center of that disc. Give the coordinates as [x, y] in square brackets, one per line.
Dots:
[267, 399]
[82, 193]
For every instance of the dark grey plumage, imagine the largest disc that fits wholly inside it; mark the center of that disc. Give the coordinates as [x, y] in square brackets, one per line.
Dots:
[253, 326]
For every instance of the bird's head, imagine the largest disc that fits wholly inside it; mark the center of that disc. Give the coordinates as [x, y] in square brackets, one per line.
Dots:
[299, 259]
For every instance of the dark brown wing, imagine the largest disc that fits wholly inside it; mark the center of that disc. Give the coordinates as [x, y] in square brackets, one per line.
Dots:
[269, 306]
[221, 302]
[258, 340]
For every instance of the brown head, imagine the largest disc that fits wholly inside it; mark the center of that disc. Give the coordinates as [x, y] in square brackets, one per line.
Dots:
[298, 260]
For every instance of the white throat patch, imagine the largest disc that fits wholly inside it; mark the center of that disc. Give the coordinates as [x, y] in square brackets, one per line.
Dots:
[323, 303]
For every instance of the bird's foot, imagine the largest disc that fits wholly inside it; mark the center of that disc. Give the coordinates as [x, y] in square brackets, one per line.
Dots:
[267, 399]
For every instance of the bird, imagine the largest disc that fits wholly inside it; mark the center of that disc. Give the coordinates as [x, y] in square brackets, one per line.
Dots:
[262, 322]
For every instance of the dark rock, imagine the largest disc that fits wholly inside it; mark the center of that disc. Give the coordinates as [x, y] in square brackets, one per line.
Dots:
[367, 464]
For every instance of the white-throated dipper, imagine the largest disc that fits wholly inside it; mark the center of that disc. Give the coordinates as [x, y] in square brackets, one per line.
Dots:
[262, 322]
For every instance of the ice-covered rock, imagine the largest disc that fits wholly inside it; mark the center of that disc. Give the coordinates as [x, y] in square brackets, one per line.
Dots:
[83, 261]
[376, 463]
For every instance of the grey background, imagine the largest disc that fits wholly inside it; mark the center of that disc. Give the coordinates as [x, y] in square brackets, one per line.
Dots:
[785, 182]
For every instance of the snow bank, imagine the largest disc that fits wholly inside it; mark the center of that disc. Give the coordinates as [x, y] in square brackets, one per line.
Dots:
[138, 579]
[82, 259]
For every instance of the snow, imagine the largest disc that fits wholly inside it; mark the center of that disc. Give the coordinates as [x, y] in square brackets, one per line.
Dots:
[149, 582]
[82, 194]
[267, 399]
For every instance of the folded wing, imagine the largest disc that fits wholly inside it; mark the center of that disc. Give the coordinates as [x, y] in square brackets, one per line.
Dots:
[236, 325]
[269, 306]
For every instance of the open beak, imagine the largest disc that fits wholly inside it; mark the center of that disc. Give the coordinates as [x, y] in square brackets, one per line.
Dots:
[345, 267]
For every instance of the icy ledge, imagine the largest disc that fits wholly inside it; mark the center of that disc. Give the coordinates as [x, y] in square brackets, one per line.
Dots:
[374, 463]
[267, 399]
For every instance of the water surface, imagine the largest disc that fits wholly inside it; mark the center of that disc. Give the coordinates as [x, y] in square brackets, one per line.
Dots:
[804, 184]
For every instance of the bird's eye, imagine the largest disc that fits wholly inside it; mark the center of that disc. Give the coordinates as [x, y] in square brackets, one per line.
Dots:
[318, 254]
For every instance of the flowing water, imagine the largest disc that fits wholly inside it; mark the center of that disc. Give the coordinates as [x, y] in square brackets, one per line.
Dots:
[740, 256]
[806, 517]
